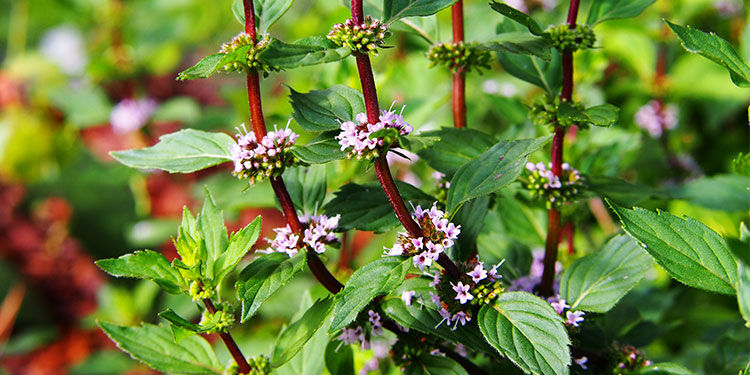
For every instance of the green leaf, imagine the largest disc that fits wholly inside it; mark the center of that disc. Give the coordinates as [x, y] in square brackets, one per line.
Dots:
[489, 172]
[471, 218]
[263, 277]
[432, 365]
[312, 50]
[306, 186]
[181, 327]
[604, 10]
[240, 243]
[416, 142]
[310, 360]
[154, 346]
[526, 224]
[743, 292]
[621, 191]
[145, 264]
[545, 74]
[598, 281]
[365, 207]
[320, 150]
[267, 12]
[690, 251]
[716, 49]
[294, 337]
[214, 232]
[601, 115]
[373, 279]
[321, 110]
[203, 68]
[455, 148]
[339, 358]
[720, 192]
[395, 9]
[520, 43]
[526, 330]
[518, 16]
[665, 368]
[741, 164]
[185, 151]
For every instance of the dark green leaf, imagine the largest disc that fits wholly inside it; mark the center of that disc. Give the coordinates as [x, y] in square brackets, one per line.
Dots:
[154, 346]
[526, 224]
[518, 16]
[432, 365]
[321, 110]
[307, 187]
[185, 151]
[239, 244]
[545, 74]
[489, 172]
[321, 149]
[600, 115]
[339, 358]
[417, 142]
[665, 368]
[520, 43]
[526, 330]
[294, 337]
[365, 207]
[263, 277]
[471, 218]
[267, 12]
[716, 49]
[145, 264]
[720, 192]
[455, 148]
[395, 9]
[743, 291]
[604, 10]
[375, 278]
[307, 51]
[598, 281]
[620, 191]
[690, 251]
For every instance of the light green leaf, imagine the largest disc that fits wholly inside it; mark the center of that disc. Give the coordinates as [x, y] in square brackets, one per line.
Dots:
[598, 281]
[263, 277]
[666, 368]
[601, 115]
[491, 171]
[320, 150]
[321, 110]
[294, 337]
[716, 49]
[743, 292]
[455, 148]
[518, 16]
[181, 327]
[203, 68]
[432, 365]
[720, 192]
[145, 264]
[396, 9]
[154, 346]
[304, 52]
[520, 43]
[185, 151]
[417, 142]
[604, 10]
[310, 360]
[214, 232]
[526, 330]
[545, 74]
[307, 187]
[690, 251]
[240, 243]
[373, 279]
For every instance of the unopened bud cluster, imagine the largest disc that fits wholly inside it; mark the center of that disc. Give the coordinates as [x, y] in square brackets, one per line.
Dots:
[460, 55]
[219, 321]
[260, 365]
[553, 190]
[544, 112]
[256, 160]
[356, 136]
[251, 63]
[566, 39]
[198, 292]
[362, 38]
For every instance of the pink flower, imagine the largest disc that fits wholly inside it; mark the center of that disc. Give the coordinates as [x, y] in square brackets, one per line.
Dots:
[130, 115]
[573, 318]
[581, 362]
[461, 317]
[354, 136]
[462, 292]
[558, 304]
[654, 117]
[478, 273]
[407, 295]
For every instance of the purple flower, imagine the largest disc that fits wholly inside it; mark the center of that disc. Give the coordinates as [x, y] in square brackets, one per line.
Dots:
[435, 280]
[461, 317]
[478, 273]
[284, 242]
[354, 136]
[256, 159]
[130, 115]
[462, 292]
[654, 117]
[319, 231]
[558, 304]
[573, 318]
[351, 335]
[422, 260]
[377, 325]
[581, 362]
[492, 273]
[406, 296]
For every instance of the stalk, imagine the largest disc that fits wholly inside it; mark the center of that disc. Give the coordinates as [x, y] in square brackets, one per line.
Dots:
[458, 99]
[231, 345]
[546, 287]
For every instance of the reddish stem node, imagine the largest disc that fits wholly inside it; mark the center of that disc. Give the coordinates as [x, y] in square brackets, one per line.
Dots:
[458, 99]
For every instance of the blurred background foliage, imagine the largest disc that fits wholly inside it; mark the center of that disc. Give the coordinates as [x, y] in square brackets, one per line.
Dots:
[69, 65]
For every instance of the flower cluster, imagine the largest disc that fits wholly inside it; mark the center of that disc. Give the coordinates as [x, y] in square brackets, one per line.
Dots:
[566, 39]
[544, 112]
[131, 114]
[355, 136]
[362, 331]
[251, 62]
[363, 38]
[260, 365]
[655, 117]
[198, 292]
[630, 360]
[438, 233]
[318, 232]
[442, 186]
[460, 55]
[218, 321]
[572, 318]
[268, 157]
[553, 190]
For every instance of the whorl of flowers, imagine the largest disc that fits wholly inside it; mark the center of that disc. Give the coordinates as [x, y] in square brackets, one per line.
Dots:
[363, 329]
[569, 40]
[655, 117]
[439, 234]
[256, 160]
[251, 62]
[318, 232]
[455, 56]
[544, 112]
[553, 190]
[260, 365]
[630, 360]
[355, 136]
[363, 38]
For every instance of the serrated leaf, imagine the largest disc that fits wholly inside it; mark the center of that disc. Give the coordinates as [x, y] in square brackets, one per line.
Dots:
[604, 10]
[204, 68]
[306, 186]
[365, 207]
[690, 251]
[373, 279]
[240, 243]
[518, 16]
[304, 52]
[294, 337]
[339, 358]
[601, 115]
[263, 277]
[433, 365]
[525, 329]
[321, 110]
[145, 264]
[716, 49]
[154, 346]
[494, 169]
[396, 9]
[598, 281]
[185, 151]
[214, 232]
[743, 292]
[520, 43]
[455, 148]
[540, 72]
[320, 150]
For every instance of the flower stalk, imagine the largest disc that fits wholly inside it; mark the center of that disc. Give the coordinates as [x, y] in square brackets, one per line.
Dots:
[458, 99]
[231, 345]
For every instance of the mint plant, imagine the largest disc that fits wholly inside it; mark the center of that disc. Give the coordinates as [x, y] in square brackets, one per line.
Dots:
[438, 299]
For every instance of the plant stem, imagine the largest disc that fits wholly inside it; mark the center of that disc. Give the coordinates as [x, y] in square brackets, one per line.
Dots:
[234, 350]
[546, 287]
[458, 99]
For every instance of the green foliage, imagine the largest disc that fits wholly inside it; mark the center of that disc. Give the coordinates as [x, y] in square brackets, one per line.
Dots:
[518, 16]
[185, 151]
[455, 148]
[321, 110]
[148, 265]
[267, 12]
[598, 281]
[307, 187]
[263, 277]
[339, 358]
[307, 51]
[321, 149]
[397, 9]
[432, 365]
[690, 251]
[520, 43]
[666, 368]
[605, 10]
[600, 115]
[716, 49]
[743, 291]
[526, 330]
[471, 218]
[294, 337]
[741, 164]
[539, 72]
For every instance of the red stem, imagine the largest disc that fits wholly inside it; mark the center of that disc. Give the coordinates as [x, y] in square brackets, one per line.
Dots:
[234, 350]
[458, 99]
